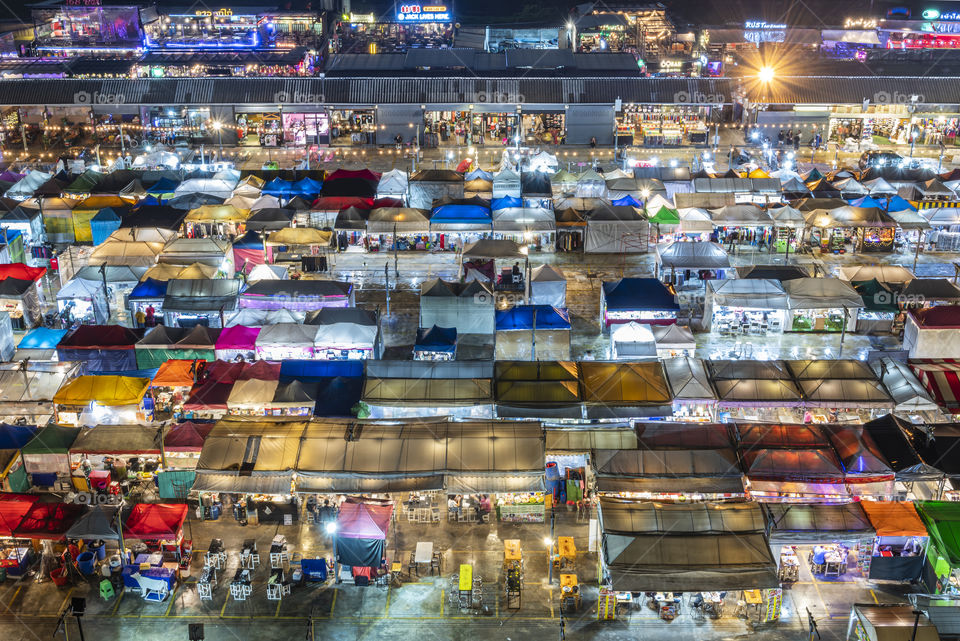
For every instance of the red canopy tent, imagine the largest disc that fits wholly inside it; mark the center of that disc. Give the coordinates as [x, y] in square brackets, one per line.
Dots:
[223, 371]
[186, 437]
[155, 521]
[13, 507]
[362, 533]
[261, 371]
[387, 202]
[336, 203]
[363, 174]
[211, 395]
[48, 520]
[21, 271]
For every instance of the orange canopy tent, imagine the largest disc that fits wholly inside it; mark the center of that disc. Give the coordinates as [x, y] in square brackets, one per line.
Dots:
[175, 373]
[894, 518]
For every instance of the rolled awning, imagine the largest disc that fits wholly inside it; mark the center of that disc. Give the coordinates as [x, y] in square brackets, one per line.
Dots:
[493, 484]
[352, 485]
[231, 482]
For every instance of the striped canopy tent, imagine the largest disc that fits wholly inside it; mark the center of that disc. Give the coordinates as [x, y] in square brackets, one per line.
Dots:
[941, 377]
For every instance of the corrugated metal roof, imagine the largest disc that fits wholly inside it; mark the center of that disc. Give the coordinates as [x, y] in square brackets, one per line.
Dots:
[466, 90]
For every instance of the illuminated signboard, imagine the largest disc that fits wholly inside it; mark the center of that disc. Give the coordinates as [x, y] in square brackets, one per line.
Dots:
[425, 13]
[366, 18]
[759, 31]
[934, 14]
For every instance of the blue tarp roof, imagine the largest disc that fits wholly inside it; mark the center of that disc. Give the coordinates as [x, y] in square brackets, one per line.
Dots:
[107, 214]
[436, 339]
[338, 396]
[478, 173]
[278, 187]
[150, 289]
[13, 437]
[898, 203]
[628, 201]
[250, 240]
[42, 338]
[315, 370]
[163, 186]
[867, 201]
[638, 294]
[307, 187]
[505, 202]
[522, 317]
[468, 214]
[136, 373]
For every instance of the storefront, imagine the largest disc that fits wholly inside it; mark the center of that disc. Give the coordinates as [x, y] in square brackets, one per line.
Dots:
[882, 124]
[416, 27]
[664, 125]
[303, 129]
[435, 344]
[260, 129]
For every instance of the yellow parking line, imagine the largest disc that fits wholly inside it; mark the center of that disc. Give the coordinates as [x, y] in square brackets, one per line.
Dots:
[14, 597]
[116, 605]
[173, 596]
[334, 603]
[442, 599]
[224, 608]
[874, 595]
[277, 613]
[386, 610]
[65, 599]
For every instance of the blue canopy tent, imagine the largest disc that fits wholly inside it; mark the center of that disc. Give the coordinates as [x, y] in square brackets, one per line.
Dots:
[162, 190]
[149, 292]
[311, 371]
[898, 203]
[249, 251]
[104, 222]
[868, 201]
[337, 396]
[307, 187]
[505, 202]
[13, 475]
[460, 217]
[533, 332]
[628, 201]
[435, 343]
[646, 300]
[533, 317]
[279, 188]
[39, 344]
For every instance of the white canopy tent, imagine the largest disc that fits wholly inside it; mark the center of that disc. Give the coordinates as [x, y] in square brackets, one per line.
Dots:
[674, 340]
[393, 183]
[743, 293]
[633, 341]
[506, 183]
[548, 286]
[590, 184]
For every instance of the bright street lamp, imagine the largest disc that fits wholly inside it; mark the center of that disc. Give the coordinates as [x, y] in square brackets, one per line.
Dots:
[766, 74]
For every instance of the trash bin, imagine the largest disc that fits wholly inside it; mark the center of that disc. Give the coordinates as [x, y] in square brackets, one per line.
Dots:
[85, 562]
[99, 548]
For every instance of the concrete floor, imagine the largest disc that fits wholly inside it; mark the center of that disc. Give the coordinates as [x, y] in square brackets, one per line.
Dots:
[420, 608]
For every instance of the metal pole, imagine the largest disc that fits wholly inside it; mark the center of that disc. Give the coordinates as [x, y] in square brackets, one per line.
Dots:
[916, 253]
[843, 332]
[123, 148]
[386, 275]
[396, 258]
[103, 276]
[23, 138]
[913, 636]
[80, 626]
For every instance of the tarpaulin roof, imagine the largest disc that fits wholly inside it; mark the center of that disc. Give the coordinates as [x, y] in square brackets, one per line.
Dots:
[876, 297]
[13, 437]
[685, 547]
[269, 219]
[192, 295]
[688, 380]
[13, 507]
[619, 384]
[104, 390]
[295, 394]
[786, 435]
[95, 525]
[817, 521]
[436, 338]
[894, 518]
[810, 465]
[505, 202]
[754, 293]
[942, 519]
[257, 446]
[238, 337]
[52, 439]
[931, 289]
[857, 451]
[209, 395]
[21, 271]
[821, 293]
[528, 317]
[117, 439]
[754, 383]
[936, 445]
[364, 520]
[773, 272]
[537, 383]
[361, 187]
[299, 236]
[186, 437]
[743, 215]
[252, 393]
[49, 520]
[155, 521]
[638, 294]
[149, 289]
[101, 337]
[702, 470]
[175, 373]
[406, 220]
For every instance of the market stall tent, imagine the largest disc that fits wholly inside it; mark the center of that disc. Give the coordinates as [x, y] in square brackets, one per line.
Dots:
[101, 348]
[13, 475]
[932, 332]
[13, 508]
[548, 286]
[95, 400]
[362, 532]
[753, 384]
[427, 388]
[532, 332]
[537, 389]
[648, 546]
[468, 307]
[428, 185]
[673, 340]
[616, 229]
[46, 457]
[297, 295]
[640, 299]
[743, 293]
[155, 521]
[907, 391]
[48, 521]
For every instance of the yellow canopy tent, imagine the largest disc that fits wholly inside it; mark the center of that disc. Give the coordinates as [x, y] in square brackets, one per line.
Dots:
[104, 390]
[217, 214]
[758, 173]
[300, 236]
[88, 208]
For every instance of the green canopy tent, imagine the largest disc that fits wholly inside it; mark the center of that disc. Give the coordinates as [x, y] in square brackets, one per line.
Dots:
[879, 307]
[942, 519]
[47, 456]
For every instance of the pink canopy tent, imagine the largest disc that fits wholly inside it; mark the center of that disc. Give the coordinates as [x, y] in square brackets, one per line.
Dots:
[237, 341]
